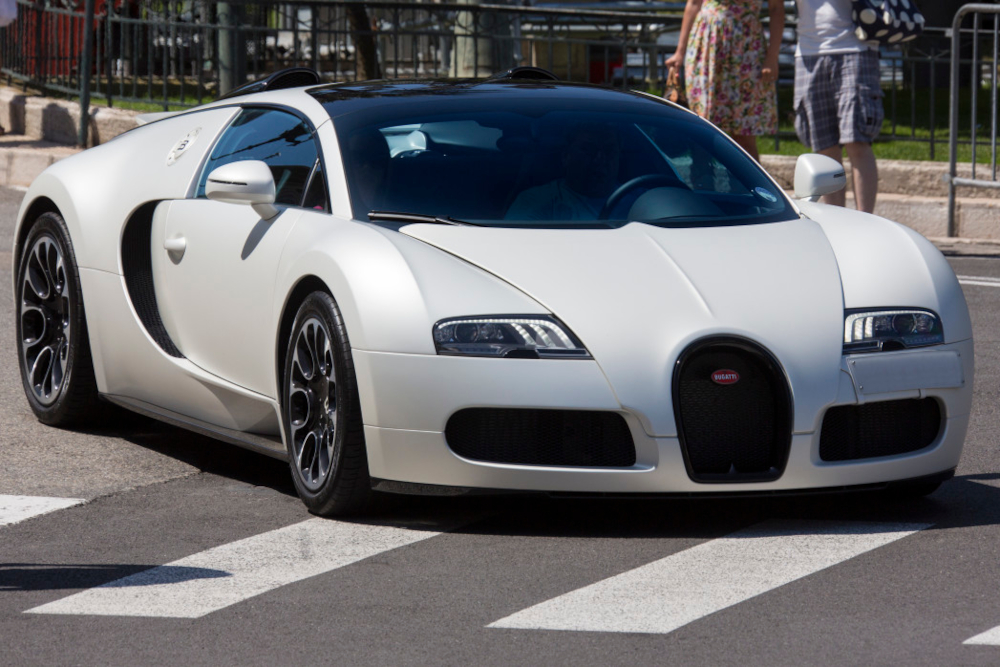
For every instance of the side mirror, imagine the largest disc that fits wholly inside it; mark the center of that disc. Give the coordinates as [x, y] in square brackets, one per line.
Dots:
[817, 175]
[244, 182]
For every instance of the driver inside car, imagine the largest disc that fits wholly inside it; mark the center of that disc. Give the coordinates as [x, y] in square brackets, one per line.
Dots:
[590, 162]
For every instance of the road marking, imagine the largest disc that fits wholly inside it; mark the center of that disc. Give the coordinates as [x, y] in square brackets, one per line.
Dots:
[985, 281]
[684, 587]
[988, 638]
[19, 508]
[211, 580]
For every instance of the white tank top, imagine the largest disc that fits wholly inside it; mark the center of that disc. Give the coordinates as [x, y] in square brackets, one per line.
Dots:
[825, 27]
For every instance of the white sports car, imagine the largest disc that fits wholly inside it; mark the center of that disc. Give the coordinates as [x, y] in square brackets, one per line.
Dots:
[510, 284]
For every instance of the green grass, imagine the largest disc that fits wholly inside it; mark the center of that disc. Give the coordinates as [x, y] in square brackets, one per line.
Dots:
[887, 149]
[910, 138]
[144, 106]
[145, 97]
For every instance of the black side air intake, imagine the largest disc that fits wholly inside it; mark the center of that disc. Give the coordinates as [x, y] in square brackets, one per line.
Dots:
[734, 411]
[579, 438]
[291, 77]
[137, 266]
[886, 428]
[525, 74]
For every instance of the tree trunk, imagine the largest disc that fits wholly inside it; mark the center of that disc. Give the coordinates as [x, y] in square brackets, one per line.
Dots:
[363, 32]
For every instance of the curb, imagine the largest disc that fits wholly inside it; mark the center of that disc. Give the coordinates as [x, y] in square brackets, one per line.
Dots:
[58, 121]
[960, 247]
[23, 159]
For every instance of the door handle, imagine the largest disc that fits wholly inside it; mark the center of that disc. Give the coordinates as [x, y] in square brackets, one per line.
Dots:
[175, 247]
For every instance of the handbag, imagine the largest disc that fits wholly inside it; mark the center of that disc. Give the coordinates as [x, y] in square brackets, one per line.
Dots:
[674, 91]
[886, 21]
[8, 12]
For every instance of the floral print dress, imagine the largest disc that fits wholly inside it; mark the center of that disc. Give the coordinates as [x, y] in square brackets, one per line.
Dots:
[722, 68]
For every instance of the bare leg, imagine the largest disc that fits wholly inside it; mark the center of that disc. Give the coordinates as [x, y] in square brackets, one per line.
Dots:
[838, 198]
[749, 144]
[864, 171]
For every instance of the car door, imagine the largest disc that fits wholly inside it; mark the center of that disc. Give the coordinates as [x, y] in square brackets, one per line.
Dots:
[214, 263]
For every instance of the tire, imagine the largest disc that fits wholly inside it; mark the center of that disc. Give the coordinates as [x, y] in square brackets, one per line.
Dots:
[57, 372]
[322, 414]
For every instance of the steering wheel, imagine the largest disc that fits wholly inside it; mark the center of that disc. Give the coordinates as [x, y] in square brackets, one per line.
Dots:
[647, 181]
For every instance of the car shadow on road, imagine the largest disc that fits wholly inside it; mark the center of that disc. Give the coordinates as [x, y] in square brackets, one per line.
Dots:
[206, 454]
[966, 500]
[41, 577]
[969, 500]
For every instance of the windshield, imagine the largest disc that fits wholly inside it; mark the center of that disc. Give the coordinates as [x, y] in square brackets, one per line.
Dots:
[550, 161]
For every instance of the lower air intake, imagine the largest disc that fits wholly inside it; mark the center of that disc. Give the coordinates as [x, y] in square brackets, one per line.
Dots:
[733, 411]
[579, 438]
[852, 432]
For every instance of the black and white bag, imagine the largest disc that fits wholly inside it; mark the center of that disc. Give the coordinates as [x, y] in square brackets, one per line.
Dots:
[887, 21]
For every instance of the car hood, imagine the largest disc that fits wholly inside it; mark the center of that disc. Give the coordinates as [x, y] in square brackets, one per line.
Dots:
[638, 295]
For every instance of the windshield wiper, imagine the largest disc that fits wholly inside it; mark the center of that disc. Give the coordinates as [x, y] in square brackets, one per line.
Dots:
[683, 218]
[392, 216]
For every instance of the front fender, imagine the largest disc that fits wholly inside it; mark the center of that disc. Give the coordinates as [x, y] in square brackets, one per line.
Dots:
[885, 264]
[45, 186]
[390, 288]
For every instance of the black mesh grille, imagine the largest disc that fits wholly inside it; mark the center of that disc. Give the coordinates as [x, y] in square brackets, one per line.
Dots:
[137, 265]
[879, 429]
[541, 437]
[735, 432]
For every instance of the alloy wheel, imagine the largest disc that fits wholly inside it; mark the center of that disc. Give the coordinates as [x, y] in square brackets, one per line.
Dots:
[312, 403]
[45, 319]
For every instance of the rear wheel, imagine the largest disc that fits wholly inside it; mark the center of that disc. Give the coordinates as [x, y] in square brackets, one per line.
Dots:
[322, 412]
[57, 372]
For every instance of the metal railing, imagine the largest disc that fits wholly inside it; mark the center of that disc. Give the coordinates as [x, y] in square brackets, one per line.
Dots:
[180, 53]
[176, 53]
[980, 77]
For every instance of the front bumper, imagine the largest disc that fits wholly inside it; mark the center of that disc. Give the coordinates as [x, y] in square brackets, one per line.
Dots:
[407, 400]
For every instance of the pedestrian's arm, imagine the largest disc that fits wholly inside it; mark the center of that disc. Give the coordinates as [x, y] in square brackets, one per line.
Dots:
[776, 13]
[690, 11]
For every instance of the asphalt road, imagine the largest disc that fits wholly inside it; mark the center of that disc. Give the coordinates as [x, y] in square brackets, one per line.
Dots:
[211, 559]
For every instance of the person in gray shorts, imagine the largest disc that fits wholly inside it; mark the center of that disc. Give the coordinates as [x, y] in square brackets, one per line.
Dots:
[838, 99]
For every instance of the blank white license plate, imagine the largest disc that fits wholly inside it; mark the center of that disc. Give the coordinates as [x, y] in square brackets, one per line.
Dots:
[927, 369]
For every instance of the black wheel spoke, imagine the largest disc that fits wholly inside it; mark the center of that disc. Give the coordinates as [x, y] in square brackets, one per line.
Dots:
[45, 323]
[311, 408]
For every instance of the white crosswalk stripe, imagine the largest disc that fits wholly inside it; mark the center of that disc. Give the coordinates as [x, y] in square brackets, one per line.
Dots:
[684, 587]
[19, 508]
[211, 580]
[984, 281]
[988, 638]
[992, 636]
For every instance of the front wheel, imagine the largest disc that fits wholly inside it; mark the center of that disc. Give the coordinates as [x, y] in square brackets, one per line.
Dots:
[322, 413]
[57, 372]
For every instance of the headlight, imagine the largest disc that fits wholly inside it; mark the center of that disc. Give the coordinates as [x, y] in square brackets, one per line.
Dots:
[519, 336]
[890, 329]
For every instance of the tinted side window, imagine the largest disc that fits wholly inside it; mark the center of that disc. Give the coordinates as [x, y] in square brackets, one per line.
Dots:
[277, 138]
[316, 193]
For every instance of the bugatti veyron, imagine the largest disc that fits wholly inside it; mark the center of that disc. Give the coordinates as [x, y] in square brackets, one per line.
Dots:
[508, 284]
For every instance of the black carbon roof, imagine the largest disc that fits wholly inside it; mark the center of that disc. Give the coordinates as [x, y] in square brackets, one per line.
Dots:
[341, 98]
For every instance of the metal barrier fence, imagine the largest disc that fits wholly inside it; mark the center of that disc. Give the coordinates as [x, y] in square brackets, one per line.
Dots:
[180, 53]
[983, 74]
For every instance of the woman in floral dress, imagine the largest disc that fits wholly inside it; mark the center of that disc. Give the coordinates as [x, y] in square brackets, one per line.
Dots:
[729, 68]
